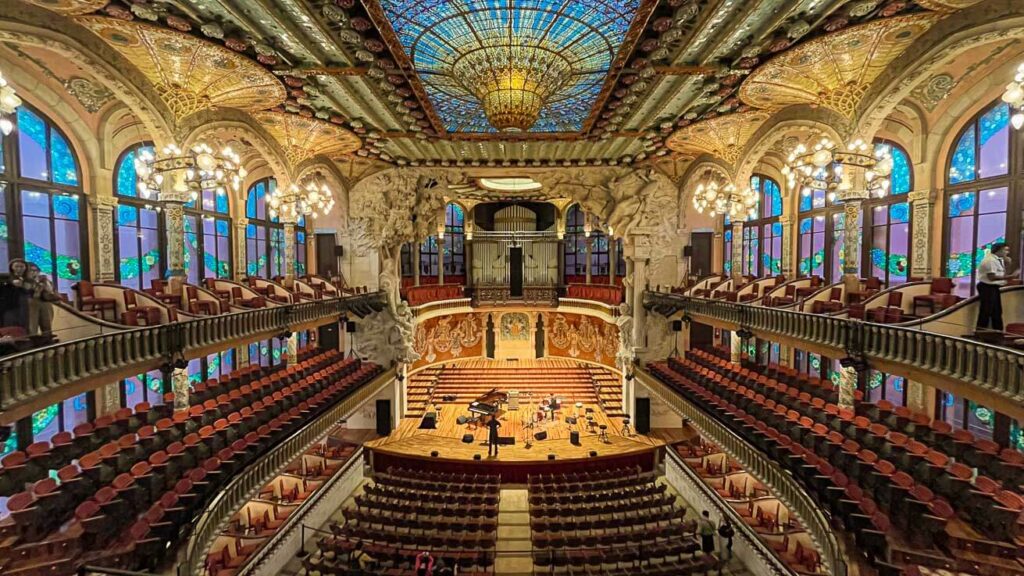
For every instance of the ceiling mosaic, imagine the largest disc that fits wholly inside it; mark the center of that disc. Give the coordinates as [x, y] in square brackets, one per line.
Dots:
[548, 57]
[302, 138]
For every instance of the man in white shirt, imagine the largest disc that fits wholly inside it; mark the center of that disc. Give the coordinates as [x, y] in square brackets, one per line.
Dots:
[991, 277]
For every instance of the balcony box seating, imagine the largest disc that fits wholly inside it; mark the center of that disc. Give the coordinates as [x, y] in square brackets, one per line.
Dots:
[211, 285]
[200, 307]
[940, 297]
[158, 290]
[871, 286]
[833, 304]
[88, 301]
[141, 315]
[419, 295]
[806, 291]
[240, 300]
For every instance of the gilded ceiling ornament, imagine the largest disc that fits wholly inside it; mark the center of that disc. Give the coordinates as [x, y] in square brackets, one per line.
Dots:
[190, 74]
[90, 95]
[302, 138]
[836, 70]
[947, 5]
[724, 137]
[71, 7]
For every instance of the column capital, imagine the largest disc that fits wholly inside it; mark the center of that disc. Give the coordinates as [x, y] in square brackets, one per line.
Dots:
[929, 196]
[103, 202]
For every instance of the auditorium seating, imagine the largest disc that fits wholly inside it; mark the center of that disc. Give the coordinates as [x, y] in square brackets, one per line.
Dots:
[884, 473]
[127, 477]
[618, 521]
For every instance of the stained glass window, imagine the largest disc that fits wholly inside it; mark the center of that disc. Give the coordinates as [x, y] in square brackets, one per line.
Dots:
[811, 251]
[751, 244]
[890, 242]
[901, 181]
[974, 221]
[148, 387]
[762, 232]
[428, 258]
[208, 237]
[983, 148]
[300, 246]
[138, 225]
[727, 249]
[264, 235]
[454, 241]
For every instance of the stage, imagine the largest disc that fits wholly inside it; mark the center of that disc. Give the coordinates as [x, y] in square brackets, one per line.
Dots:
[465, 380]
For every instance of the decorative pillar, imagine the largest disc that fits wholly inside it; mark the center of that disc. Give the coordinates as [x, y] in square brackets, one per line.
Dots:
[590, 251]
[179, 385]
[174, 222]
[242, 355]
[293, 349]
[629, 394]
[787, 268]
[632, 281]
[851, 246]
[103, 215]
[416, 264]
[613, 256]
[467, 260]
[241, 268]
[847, 386]
[639, 313]
[735, 348]
[737, 249]
[289, 250]
[561, 260]
[922, 204]
[785, 355]
[108, 399]
[920, 397]
[440, 261]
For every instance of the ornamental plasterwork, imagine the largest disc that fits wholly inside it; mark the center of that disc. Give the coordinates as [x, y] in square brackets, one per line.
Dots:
[589, 336]
[929, 94]
[450, 334]
[724, 137]
[188, 73]
[834, 71]
[90, 94]
[302, 138]
[71, 7]
[947, 5]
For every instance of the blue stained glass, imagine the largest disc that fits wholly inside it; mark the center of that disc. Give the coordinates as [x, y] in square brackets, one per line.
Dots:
[222, 227]
[728, 235]
[961, 204]
[65, 207]
[776, 229]
[62, 161]
[963, 168]
[127, 215]
[250, 200]
[805, 202]
[300, 237]
[221, 203]
[250, 230]
[994, 121]
[11, 445]
[43, 418]
[32, 146]
[126, 176]
[899, 213]
[806, 225]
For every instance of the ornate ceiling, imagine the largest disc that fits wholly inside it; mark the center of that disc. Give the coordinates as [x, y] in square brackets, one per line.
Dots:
[422, 82]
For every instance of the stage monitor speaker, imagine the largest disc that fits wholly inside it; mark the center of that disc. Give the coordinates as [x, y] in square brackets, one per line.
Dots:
[383, 417]
[570, 420]
[429, 421]
[574, 437]
[327, 336]
[677, 325]
[643, 415]
[542, 435]
[506, 440]
[687, 251]
[515, 271]
[350, 327]
[467, 438]
[339, 251]
[462, 420]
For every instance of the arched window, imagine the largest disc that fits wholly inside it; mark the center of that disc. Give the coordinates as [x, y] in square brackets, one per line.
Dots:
[428, 257]
[982, 170]
[406, 259]
[300, 246]
[888, 220]
[764, 230]
[264, 234]
[41, 200]
[454, 240]
[820, 233]
[575, 243]
[139, 225]
[208, 237]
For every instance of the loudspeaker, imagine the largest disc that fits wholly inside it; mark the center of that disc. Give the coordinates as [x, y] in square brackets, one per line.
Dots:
[429, 421]
[383, 417]
[551, 456]
[574, 438]
[593, 453]
[687, 251]
[542, 435]
[506, 440]
[467, 438]
[462, 419]
[677, 325]
[327, 336]
[570, 420]
[643, 415]
[339, 251]
[515, 271]
[350, 327]
[476, 456]
[433, 454]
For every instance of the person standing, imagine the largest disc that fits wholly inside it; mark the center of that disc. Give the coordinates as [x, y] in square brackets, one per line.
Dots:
[492, 436]
[424, 564]
[726, 533]
[992, 277]
[40, 302]
[707, 533]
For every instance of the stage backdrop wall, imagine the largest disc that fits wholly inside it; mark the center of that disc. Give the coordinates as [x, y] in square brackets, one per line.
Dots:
[449, 337]
[581, 337]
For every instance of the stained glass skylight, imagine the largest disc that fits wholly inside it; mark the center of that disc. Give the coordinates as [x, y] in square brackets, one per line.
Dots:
[583, 35]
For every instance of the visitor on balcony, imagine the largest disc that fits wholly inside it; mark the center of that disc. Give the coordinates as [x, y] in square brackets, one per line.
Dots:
[706, 529]
[992, 276]
[40, 302]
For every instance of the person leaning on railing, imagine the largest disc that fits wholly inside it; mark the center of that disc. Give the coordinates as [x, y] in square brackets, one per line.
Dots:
[992, 277]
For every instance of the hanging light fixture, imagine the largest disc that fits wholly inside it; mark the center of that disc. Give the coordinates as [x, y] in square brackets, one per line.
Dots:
[192, 171]
[9, 102]
[718, 198]
[846, 174]
[1014, 96]
[313, 198]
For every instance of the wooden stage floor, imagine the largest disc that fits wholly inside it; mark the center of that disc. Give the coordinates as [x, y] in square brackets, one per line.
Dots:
[410, 441]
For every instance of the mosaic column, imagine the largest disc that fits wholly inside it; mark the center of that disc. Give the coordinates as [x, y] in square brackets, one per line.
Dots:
[787, 268]
[920, 397]
[289, 250]
[293, 349]
[851, 245]
[735, 348]
[630, 285]
[179, 385]
[174, 222]
[241, 224]
[737, 249]
[847, 387]
[111, 399]
[242, 356]
[922, 204]
[104, 208]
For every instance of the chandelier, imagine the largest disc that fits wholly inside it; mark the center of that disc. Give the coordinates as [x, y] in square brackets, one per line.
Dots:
[844, 173]
[717, 199]
[191, 171]
[1014, 96]
[312, 198]
[9, 102]
[512, 81]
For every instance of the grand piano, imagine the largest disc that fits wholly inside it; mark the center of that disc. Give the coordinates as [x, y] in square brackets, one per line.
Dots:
[489, 403]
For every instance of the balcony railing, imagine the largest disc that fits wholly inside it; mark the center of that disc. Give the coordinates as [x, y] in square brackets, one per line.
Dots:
[27, 376]
[996, 370]
[761, 467]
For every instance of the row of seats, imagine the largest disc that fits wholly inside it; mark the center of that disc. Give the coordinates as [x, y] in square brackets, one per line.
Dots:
[107, 502]
[856, 484]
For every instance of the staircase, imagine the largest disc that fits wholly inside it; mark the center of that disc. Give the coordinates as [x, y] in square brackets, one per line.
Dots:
[514, 548]
[609, 391]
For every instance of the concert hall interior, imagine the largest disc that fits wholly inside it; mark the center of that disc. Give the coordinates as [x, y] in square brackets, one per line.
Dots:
[511, 287]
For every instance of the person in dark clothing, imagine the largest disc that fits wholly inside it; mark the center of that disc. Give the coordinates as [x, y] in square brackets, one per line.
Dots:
[707, 533]
[424, 564]
[13, 295]
[726, 533]
[492, 436]
[992, 277]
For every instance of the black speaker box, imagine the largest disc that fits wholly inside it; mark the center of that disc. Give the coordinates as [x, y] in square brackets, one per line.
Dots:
[462, 419]
[429, 421]
[677, 325]
[570, 420]
[339, 251]
[643, 415]
[542, 435]
[350, 327]
[506, 440]
[574, 438]
[467, 438]
[687, 251]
